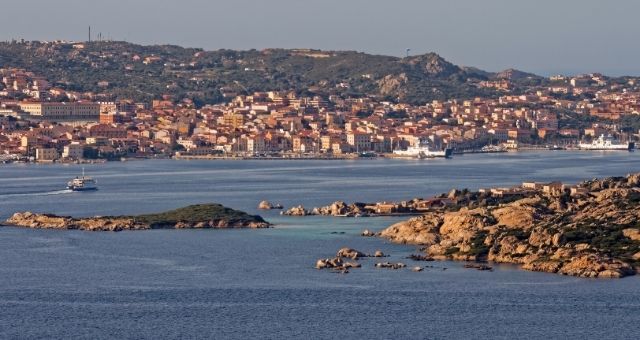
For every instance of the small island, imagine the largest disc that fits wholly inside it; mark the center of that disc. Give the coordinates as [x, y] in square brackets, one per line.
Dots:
[199, 216]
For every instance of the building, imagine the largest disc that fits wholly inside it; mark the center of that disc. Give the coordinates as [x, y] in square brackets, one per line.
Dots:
[108, 131]
[73, 151]
[236, 120]
[359, 141]
[77, 111]
[46, 154]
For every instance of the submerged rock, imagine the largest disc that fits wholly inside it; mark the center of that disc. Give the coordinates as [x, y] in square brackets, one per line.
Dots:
[390, 265]
[337, 264]
[379, 253]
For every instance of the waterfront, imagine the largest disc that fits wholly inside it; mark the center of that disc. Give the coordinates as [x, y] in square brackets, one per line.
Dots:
[261, 283]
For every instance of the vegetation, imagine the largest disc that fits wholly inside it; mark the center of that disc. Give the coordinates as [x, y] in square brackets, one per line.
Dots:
[609, 239]
[478, 248]
[205, 76]
[452, 250]
[195, 214]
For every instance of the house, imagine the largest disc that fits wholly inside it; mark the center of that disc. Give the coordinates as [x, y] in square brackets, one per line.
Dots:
[46, 154]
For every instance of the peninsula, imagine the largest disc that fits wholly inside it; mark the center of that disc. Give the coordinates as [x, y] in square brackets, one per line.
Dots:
[591, 229]
[200, 216]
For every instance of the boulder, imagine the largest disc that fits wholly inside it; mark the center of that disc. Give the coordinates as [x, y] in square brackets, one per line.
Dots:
[596, 266]
[421, 230]
[516, 216]
[419, 257]
[297, 211]
[336, 264]
[462, 225]
[265, 205]
[367, 233]
[338, 208]
[350, 253]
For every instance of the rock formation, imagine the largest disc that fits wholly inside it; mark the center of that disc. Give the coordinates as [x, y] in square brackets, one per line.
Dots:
[196, 216]
[296, 211]
[587, 235]
[350, 253]
[266, 205]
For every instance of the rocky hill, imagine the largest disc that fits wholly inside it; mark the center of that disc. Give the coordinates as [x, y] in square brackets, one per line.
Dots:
[593, 233]
[195, 216]
[146, 72]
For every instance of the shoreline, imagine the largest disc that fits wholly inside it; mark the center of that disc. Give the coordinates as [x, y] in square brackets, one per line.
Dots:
[313, 157]
[197, 216]
[590, 230]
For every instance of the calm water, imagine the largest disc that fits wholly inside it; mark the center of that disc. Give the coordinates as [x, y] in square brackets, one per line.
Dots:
[261, 283]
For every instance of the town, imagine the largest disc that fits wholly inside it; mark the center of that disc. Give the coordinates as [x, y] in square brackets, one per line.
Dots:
[44, 122]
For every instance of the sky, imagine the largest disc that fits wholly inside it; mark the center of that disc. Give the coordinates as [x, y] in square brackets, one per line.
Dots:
[541, 36]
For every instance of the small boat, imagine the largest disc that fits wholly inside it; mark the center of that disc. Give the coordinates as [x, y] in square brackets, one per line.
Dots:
[84, 183]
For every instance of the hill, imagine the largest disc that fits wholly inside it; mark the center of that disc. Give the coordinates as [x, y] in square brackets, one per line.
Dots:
[147, 72]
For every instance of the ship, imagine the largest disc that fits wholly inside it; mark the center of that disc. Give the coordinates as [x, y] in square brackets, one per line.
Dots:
[423, 151]
[493, 149]
[368, 154]
[606, 143]
[83, 183]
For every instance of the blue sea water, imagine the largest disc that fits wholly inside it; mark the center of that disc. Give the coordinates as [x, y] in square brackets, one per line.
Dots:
[261, 283]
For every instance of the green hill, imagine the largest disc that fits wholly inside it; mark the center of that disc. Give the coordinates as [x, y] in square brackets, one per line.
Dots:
[200, 75]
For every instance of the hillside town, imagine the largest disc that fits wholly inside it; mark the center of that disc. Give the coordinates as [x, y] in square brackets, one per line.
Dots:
[46, 123]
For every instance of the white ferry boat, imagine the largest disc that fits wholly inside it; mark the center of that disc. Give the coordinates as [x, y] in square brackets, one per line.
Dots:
[606, 143]
[84, 183]
[423, 151]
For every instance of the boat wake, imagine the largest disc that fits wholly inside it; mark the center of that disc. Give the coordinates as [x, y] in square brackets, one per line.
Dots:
[38, 193]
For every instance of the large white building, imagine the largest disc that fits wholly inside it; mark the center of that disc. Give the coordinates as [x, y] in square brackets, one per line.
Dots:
[77, 111]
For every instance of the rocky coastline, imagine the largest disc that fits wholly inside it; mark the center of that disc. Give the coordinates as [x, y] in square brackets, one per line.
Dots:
[590, 230]
[201, 216]
[358, 209]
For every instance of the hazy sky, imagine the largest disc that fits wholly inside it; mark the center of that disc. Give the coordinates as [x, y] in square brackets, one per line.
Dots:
[542, 36]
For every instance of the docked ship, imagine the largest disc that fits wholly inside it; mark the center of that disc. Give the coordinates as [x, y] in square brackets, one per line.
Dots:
[606, 143]
[493, 149]
[83, 183]
[423, 151]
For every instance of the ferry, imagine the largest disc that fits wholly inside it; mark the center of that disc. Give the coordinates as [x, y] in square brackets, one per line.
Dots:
[84, 183]
[423, 151]
[606, 143]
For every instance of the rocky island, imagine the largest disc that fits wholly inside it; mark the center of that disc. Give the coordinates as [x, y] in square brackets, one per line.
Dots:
[212, 216]
[591, 229]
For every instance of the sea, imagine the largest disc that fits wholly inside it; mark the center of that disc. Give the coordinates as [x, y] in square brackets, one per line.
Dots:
[261, 284]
